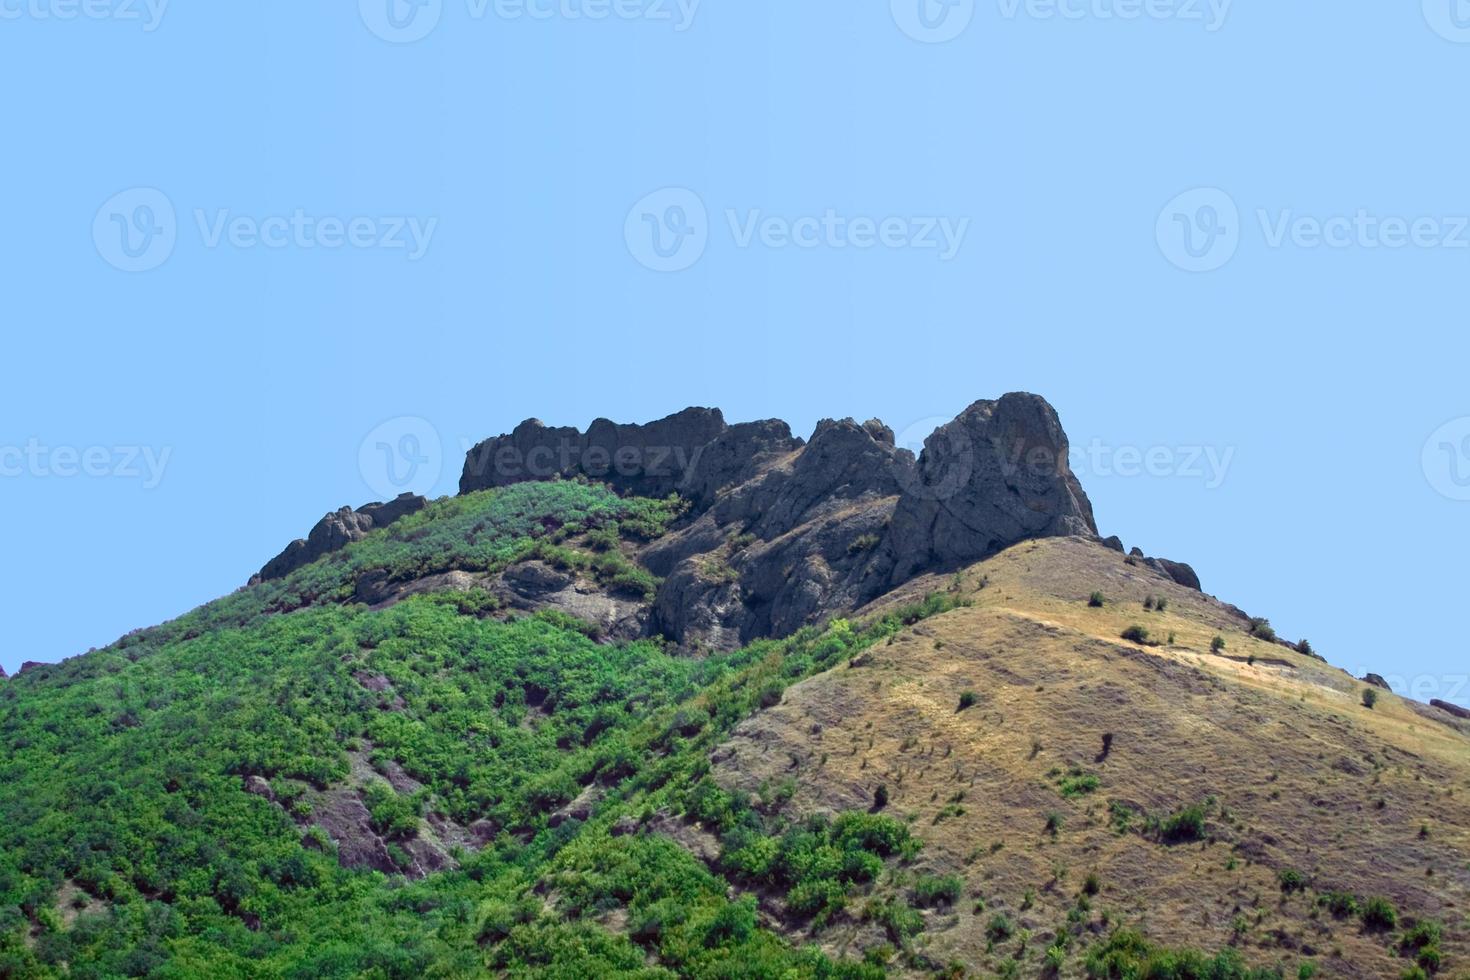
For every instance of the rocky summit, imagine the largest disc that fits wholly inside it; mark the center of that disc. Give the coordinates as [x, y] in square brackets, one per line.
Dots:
[699, 699]
[784, 530]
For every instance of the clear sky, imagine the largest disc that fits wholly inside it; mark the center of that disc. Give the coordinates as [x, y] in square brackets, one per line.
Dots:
[1227, 241]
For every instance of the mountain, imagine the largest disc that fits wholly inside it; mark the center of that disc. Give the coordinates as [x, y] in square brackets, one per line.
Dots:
[701, 699]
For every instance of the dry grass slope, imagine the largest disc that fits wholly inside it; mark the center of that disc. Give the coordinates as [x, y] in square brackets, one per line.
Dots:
[1067, 726]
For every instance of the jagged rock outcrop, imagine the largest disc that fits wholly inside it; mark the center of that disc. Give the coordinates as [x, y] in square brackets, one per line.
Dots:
[782, 533]
[3, 675]
[1453, 709]
[996, 475]
[337, 530]
[1376, 680]
[775, 552]
[533, 585]
[652, 460]
[1176, 570]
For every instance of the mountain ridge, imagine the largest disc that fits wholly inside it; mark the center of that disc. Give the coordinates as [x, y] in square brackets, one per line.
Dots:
[824, 709]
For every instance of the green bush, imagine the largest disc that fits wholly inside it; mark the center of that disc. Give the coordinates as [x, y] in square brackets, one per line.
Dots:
[1184, 825]
[968, 699]
[1379, 915]
[1370, 697]
[1261, 629]
[1217, 645]
[1291, 880]
[1096, 600]
[1341, 904]
[931, 891]
[1136, 634]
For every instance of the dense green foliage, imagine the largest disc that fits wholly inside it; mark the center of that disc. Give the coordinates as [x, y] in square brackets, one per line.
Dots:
[1126, 956]
[131, 842]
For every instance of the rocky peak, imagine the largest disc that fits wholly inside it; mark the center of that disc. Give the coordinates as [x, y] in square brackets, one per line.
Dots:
[651, 460]
[783, 532]
[996, 475]
[337, 530]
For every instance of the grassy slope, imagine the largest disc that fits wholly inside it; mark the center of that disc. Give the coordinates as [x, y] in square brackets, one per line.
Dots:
[1292, 771]
[130, 846]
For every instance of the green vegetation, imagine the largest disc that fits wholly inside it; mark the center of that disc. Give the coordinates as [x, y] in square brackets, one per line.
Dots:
[1291, 880]
[173, 782]
[931, 891]
[1370, 698]
[1421, 944]
[1077, 782]
[1341, 904]
[1379, 915]
[1125, 955]
[1136, 634]
[1261, 629]
[1096, 600]
[1181, 826]
[1217, 645]
[968, 699]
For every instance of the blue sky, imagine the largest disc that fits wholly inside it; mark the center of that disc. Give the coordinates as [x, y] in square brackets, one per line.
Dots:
[1227, 241]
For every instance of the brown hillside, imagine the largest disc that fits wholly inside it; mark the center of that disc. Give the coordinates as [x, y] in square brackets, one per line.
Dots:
[1294, 773]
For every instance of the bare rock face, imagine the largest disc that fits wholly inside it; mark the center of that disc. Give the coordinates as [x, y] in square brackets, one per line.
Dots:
[337, 531]
[1176, 570]
[532, 586]
[1377, 681]
[783, 533]
[996, 475]
[1453, 709]
[652, 460]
